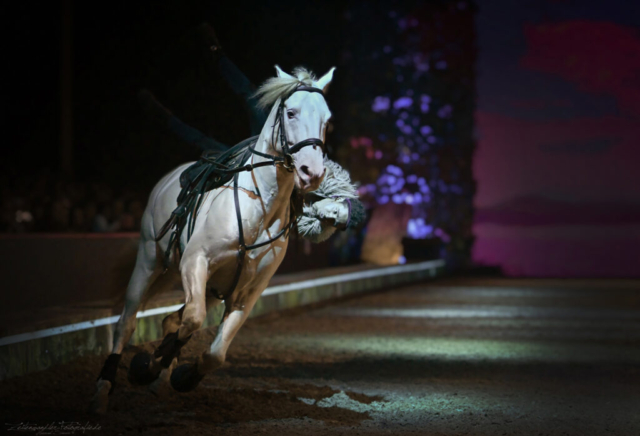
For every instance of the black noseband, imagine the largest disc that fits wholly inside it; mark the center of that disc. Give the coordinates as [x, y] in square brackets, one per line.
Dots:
[304, 143]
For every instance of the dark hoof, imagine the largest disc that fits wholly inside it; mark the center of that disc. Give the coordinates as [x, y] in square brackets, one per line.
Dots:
[139, 372]
[185, 378]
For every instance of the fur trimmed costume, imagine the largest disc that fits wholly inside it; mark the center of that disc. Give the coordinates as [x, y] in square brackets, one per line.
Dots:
[337, 185]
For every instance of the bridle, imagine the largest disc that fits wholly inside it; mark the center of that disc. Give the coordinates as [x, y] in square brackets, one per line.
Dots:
[288, 152]
[218, 170]
[287, 162]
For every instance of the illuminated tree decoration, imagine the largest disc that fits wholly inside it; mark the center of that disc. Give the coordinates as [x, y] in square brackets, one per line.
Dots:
[411, 114]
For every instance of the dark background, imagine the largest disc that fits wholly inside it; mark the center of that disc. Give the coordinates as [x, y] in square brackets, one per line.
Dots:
[558, 192]
[124, 46]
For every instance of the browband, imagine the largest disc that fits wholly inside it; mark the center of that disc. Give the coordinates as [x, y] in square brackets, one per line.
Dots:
[308, 89]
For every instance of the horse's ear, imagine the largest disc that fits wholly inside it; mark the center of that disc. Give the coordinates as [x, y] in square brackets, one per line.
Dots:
[282, 74]
[324, 81]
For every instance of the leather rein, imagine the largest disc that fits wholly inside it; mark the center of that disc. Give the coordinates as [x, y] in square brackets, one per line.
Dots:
[285, 160]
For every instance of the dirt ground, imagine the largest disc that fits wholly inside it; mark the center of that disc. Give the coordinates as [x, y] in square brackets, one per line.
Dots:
[450, 357]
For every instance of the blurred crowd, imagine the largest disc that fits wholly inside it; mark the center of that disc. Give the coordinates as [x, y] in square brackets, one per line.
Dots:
[48, 203]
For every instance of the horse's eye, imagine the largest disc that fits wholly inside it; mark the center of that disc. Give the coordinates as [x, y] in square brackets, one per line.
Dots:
[291, 114]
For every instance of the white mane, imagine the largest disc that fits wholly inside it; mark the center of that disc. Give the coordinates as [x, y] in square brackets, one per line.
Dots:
[278, 87]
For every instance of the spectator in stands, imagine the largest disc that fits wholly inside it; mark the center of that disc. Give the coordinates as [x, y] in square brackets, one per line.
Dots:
[103, 220]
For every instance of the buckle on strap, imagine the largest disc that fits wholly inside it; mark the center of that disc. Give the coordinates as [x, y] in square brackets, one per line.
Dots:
[287, 162]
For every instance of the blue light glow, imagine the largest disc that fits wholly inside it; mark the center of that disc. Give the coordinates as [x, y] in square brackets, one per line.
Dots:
[426, 130]
[445, 111]
[403, 102]
[418, 229]
[392, 169]
[381, 104]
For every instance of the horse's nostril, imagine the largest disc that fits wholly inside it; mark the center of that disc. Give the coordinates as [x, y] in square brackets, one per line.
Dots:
[305, 170]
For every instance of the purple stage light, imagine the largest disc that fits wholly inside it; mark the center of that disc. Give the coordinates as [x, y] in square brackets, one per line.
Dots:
[380, 104]
[442, 235]
[392, 169]
[418, 229]
[425, 130]
[445, 111]
[402, 102]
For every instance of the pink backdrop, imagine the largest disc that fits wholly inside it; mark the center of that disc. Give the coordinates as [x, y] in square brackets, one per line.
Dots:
[558, 160]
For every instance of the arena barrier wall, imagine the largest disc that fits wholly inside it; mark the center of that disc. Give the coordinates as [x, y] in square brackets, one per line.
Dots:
[65, 269]
[89, 328]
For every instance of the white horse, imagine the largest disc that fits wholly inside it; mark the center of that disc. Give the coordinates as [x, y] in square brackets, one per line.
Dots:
[296, 124]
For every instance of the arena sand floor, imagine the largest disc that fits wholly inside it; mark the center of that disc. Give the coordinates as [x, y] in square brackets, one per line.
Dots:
[449, 357]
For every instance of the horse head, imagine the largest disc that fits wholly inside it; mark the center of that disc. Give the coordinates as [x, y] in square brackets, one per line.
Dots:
[301, 115]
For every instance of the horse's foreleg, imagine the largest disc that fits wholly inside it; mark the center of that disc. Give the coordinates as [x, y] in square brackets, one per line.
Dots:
[171, 324]
[144, 274]
[179, 326]
[194, 280]
[187, 377]
[237, 311]
[146, 368]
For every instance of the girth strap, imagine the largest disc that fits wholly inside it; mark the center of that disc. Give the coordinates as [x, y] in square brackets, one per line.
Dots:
[243, 247]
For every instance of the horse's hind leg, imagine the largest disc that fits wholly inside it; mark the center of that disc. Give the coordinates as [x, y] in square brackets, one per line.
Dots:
[144, 274]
